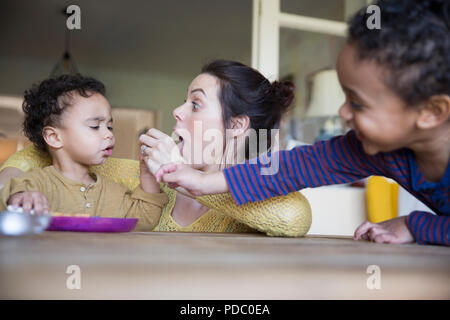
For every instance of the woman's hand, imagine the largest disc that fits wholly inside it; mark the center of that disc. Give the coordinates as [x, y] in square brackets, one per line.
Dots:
[158, 149]
[389, 231]
[196, 182]
[30, 200]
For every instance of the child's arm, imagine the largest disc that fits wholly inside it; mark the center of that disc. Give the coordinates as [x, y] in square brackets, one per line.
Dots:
[196, 182]
[338, 160]
[287, 216]
[146, 201]
[145, 206]
[335, 161]
[25, 190]
[420, 226]
[429, 228]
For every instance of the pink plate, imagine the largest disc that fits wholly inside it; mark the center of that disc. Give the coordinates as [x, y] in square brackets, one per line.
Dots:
[91, 224]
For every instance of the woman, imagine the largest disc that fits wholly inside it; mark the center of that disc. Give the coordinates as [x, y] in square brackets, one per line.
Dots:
[233, 100]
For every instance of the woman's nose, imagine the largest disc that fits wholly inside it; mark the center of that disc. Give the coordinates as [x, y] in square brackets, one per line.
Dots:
[178, 113]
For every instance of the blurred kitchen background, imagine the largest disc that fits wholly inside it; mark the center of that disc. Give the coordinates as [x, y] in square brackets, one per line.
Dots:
[147, 52]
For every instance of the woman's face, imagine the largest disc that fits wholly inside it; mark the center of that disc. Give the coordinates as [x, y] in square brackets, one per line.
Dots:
[200, 122]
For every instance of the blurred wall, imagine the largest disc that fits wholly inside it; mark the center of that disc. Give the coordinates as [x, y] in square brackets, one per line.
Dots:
[145, 51]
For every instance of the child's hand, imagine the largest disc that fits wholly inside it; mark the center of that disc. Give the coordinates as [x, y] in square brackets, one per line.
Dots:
[144, 170]
[181, 175]
[147, 179]
[30, 200]
[389, 231]
[196, 182]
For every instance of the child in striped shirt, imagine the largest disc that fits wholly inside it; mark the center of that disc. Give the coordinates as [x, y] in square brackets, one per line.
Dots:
[397, 85]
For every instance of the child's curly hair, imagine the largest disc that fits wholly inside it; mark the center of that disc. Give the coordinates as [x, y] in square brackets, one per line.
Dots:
[413, 45]
[45, 102]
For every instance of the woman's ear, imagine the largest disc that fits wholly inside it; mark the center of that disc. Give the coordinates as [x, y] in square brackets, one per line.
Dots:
[239, 125]
[52, 137]
[435, 112]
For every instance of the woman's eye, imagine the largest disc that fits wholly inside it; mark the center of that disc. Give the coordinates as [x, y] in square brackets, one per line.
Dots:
[110, 128]
[195, 106]
[95, 127]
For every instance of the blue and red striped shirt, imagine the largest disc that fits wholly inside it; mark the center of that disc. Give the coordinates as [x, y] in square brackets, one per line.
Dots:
[343, 160]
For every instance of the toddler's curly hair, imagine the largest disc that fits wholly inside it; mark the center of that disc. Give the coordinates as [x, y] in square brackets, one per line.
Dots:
[45, 102]
[413, 45]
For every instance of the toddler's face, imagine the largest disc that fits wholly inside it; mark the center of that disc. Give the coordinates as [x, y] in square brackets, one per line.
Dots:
[86, 129]
[381, 119]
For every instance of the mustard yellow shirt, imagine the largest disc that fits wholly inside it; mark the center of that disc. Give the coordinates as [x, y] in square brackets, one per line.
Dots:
[104, 198]
[210, 221]
[288, 215]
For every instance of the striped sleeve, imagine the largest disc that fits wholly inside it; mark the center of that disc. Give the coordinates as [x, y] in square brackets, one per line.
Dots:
[335, 161]
[428, 228]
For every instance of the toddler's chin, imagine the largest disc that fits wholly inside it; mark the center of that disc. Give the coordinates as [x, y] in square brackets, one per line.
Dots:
[103, 160]
[96, 162]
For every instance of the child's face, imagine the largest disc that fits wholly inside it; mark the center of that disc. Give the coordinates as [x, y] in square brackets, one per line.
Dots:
[381, 119]
[86, 130]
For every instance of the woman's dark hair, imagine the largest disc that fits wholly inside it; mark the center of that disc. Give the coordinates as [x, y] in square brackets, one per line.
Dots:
[245, 91]
[45, 102]
[413, 45]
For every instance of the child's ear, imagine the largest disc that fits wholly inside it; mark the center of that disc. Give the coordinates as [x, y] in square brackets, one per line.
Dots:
[52, 137]
[239, 125]
[435, 112]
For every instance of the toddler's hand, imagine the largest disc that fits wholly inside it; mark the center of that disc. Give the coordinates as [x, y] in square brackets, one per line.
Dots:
[144, 170]
[30, 200]
[147, 179]
[389, 231]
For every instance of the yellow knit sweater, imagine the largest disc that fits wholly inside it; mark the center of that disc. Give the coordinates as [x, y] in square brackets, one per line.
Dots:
[280, 216]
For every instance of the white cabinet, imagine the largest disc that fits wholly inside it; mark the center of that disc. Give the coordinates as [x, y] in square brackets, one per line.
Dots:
[336, 210]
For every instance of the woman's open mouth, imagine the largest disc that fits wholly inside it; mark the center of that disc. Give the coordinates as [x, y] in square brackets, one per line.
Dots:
[179, 141]
[180, 144]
